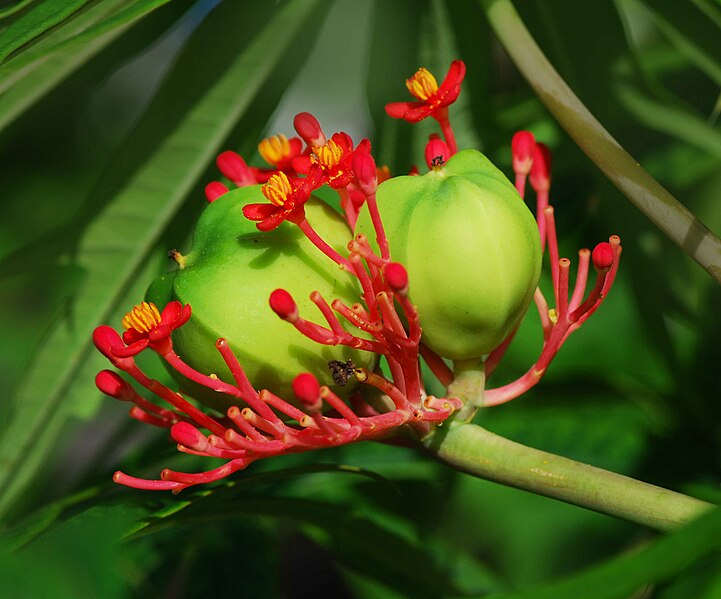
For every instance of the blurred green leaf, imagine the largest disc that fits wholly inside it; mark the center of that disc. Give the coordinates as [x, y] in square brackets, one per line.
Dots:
[136, 199]
[692, 32]
[622, 576]
[25, 79]
[81, 557]
[35, 22]
[16, 8]
[671, 120]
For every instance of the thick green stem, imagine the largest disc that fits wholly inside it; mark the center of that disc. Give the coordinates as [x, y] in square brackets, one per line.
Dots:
[473, 449]
[665, 211]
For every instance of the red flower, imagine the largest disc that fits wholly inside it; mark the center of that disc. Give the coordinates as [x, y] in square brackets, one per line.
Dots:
[431, 98]
[287, 197]
[334, 159]
[279, 151]
[144, 327]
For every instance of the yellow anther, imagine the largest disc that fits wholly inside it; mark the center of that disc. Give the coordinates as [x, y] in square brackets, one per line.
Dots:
[328, 155]
[274, 149]
[143, 318]
[422, 85]
[277, 189]
[553, 315]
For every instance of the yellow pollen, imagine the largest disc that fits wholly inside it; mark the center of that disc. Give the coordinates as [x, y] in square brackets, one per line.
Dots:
[553, 315]
[143, 318]
[422, 85]
[274, 149]
[328, 155]
[277, 189]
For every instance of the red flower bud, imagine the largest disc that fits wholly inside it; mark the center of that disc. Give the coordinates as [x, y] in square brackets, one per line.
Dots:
[366, 174]
[437, 152]
[603, 256]
[309, 129]
[214, 190]
[283, 305]
[187, 435]
[396, 277]
[541, 168]
[522, 147]
[307, 389]
[111, 384]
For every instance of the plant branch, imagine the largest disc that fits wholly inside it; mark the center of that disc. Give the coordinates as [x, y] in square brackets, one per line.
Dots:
[665, 211]
[477, 451]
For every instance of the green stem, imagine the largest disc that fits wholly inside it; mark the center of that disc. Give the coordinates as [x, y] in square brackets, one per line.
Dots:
[468, 385]
[472, 449]
[665, 211]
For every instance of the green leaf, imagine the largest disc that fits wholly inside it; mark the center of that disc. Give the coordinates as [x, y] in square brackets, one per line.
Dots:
[624, 575]
[11, 10]
[671, 120]
[692, 32]
[138, 196]
[27, 78]
[35, 22]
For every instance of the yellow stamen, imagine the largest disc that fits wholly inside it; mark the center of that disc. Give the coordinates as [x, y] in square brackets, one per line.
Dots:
[143, 318]
[422, 85]
[328, 155]
[277, 189]
[274, 149]
[553, 315]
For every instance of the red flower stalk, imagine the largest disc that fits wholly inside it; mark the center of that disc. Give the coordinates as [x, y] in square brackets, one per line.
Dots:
[433, 100]
[569, 313]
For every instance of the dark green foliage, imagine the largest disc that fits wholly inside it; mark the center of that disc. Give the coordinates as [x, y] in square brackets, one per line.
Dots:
[111, 113]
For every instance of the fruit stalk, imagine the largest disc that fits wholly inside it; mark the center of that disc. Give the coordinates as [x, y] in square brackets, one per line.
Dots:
[477, 451]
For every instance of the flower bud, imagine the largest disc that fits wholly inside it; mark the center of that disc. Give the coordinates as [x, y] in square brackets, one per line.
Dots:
[309, 129]
[306, 388]
[110, 383]
[396, 277]
[523, 146]
[283, 305]
[540, 177]
[214, 190]
[603, 256]
[366, 174]
[437, 152]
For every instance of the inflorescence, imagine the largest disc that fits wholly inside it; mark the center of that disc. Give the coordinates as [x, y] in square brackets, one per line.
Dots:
[263, 424]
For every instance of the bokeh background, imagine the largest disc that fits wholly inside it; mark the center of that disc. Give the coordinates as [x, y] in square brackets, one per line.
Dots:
[109, 123]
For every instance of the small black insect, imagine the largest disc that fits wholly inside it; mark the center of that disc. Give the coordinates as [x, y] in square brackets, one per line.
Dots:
[438, 161]
[341, 371]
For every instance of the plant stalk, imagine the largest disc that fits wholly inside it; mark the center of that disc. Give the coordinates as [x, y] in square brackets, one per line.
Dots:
[650, 197]
[477, 451]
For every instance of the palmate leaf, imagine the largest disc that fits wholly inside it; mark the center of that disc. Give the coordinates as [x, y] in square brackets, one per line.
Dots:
[215, 80]
[27, 77]
[624, 575]
[46, 15]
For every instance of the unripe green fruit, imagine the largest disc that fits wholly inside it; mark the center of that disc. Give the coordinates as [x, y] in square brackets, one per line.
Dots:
[471, 248]
[227, 279]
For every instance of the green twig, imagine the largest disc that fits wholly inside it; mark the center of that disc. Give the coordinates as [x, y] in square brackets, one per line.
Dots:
[473, 449]
[665, 211]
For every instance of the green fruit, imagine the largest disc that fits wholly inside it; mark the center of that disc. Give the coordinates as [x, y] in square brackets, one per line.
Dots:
[227, 279]
[471, 248]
